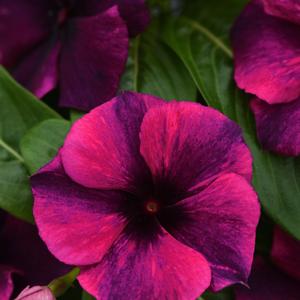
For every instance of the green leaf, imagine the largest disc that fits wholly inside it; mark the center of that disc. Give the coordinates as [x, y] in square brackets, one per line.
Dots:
[19, 112]
[226, 294]
[202, 44]
[154, 68]
[41, 143]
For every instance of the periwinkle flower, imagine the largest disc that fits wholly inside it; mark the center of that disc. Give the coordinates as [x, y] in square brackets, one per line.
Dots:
[24, 258]
[80, 45]
[279, 278]
[36, 293]
[267, 64]
[151, 199]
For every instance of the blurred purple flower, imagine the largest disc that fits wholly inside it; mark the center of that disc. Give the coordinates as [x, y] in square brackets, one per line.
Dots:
[279, 281]
[152, 200]
[267, 64]
[36, 293]
[80, 45]
[24, 258]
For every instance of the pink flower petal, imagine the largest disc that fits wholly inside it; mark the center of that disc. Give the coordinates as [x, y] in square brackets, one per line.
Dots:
[286, 253]
[286, 9]
[189, 145]
[38, 72]
[219, 222]
[267, 55]
[23, 25]
[78, 224]
[36, 293]
[278, 126]
[139, 267]
[102, 148]
[92, 60]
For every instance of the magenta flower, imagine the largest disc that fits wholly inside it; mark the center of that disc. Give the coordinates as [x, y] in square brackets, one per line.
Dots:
[24, 258]
[80, 45]
[278, 280]
[266, 51]
[152, 200]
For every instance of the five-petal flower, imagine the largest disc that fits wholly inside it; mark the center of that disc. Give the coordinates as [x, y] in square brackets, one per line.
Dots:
[151, 199]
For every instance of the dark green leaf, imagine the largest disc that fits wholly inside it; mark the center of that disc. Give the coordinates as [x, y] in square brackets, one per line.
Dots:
[19, 112]
[154, 68]
[41, 143]
[201, 44]
[86, 296]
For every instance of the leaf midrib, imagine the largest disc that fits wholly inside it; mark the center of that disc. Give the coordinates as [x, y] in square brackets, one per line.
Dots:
[11, 151]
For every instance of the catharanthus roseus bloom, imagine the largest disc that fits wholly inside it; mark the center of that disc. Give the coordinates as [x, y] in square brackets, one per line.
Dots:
[36, 293]
[151, 199]
[278, 280]
[267, 64]
[24, 258]
[80, 45]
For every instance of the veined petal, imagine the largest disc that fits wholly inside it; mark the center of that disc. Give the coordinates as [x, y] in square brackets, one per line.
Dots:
[77, 224]
[106, 144]
[92, 60]
[147, 266]
[38, 71]
[220, 223]
[267, 55]
[189, 145]
[278, 126]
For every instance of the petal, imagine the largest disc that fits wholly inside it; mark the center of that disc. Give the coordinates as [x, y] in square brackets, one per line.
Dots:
[188, 145]
[6, 284]
[219, 222]
[77, 224]
[23, 25]
[134, 12]
[23, 250]
[93, 58]
[38, 70]
[147, 267]
[267, 55]
[285, 253]
[286, 9]
[267, 282]
[36, 293]
[102, 149]
[278, 126]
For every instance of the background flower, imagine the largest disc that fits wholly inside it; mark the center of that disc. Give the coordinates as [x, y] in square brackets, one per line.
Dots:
[151, 199]
[24, 258]
[278, 279]
[267, 65]
[79, 45]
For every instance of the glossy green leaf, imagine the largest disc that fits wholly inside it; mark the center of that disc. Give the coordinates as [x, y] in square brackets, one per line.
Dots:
[201, 42]
[154, 68]
[40, 144]
[19, 112]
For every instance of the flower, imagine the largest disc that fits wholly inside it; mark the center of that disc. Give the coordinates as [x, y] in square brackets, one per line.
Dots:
[36, 293]
[80, 45]
[24, 258]
[277, 280]
[267, 57]
[151, 199]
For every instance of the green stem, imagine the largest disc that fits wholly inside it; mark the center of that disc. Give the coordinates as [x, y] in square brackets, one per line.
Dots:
[213, 38]
[136, 63]
[11, 151]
